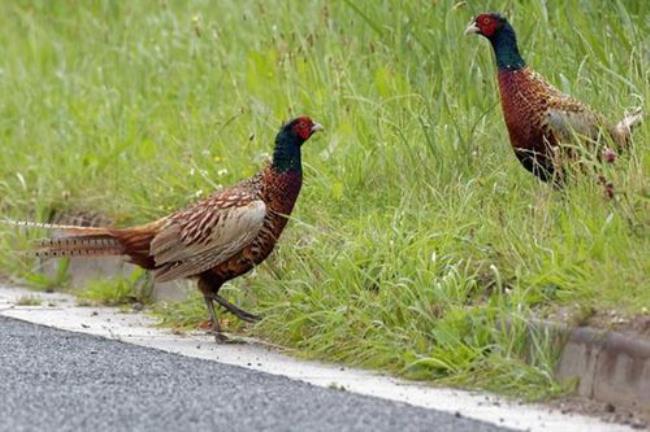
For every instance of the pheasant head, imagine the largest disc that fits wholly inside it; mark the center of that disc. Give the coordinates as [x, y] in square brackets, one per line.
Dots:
[496, 28]
[292, 135]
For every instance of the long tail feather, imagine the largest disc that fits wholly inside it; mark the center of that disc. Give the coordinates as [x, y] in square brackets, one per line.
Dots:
[623, 128]
[91, 244]
[66, 228]
[74, 241]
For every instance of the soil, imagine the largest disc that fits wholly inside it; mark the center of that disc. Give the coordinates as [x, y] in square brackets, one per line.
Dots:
[637, 325]
[603, 410]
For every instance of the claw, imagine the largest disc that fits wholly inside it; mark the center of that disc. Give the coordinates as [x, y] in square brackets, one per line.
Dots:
[220, 337]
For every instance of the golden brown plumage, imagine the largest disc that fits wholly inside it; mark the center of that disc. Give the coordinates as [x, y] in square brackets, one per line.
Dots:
[216, 239]
[543, 122]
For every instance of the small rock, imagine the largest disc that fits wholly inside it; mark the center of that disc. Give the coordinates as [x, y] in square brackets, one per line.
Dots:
[609, 407]
[138, 306]
[85, 326]
[94, 313]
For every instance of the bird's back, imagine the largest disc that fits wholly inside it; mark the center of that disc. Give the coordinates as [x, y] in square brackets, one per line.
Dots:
[539, 117]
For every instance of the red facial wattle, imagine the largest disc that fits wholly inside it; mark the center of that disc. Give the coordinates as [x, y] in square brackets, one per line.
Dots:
[487, 25]
[303, 129]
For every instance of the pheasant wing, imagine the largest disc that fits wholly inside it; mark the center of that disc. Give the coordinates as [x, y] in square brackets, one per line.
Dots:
[567, 118]
[206, 234]
[561, 115]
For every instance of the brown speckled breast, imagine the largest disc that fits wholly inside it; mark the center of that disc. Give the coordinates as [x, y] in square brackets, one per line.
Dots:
[524, 102]
[279, 191]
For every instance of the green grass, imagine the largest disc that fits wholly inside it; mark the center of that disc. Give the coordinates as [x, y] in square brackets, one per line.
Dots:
[417, 233]
[29, 300]
[48, 281]
[184, 315]
[118, 291]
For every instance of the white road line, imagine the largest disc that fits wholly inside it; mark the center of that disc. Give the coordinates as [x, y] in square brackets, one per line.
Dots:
[138, 329]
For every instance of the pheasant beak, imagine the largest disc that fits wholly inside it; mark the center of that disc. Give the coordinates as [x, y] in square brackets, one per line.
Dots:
[316, 127]
[472, 28]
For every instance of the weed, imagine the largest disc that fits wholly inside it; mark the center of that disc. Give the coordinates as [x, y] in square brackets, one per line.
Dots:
[135, 288]
[29, 300]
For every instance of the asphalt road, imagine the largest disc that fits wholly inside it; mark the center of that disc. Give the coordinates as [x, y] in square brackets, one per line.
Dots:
[56, 380]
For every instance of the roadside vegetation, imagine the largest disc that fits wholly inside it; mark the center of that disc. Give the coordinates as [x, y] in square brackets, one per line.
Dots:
[118, 291]
[418, 245]
[29, 300]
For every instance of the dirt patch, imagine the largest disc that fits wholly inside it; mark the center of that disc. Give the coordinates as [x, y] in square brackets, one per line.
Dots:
[606, 411]
[637, 325]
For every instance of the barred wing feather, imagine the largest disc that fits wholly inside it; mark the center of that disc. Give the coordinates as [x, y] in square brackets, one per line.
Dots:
[188, 246]
[567, 119]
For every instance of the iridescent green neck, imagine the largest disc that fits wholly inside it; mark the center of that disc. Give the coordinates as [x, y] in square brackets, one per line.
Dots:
[286, 155]
[504, 43]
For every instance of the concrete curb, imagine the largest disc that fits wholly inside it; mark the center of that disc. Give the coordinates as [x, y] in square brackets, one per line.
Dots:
[611, 367]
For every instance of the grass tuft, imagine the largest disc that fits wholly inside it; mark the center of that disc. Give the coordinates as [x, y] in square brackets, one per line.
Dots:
[29, 300]
[185, 315]
[118, 291]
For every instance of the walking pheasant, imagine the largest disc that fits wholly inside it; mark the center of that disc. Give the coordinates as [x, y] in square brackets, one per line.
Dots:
[214, 240]
[539, 117]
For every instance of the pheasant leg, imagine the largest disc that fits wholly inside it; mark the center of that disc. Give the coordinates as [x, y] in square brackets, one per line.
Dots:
[216, 327]
[238, 312]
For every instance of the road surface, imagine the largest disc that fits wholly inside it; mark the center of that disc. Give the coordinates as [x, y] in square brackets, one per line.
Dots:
[52, 379]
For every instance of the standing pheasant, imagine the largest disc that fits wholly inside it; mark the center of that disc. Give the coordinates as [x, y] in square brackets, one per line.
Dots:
[214, 240]
[539, 117]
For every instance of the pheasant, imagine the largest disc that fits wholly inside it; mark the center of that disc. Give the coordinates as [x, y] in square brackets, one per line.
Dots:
[214, 240]
[540, 118]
